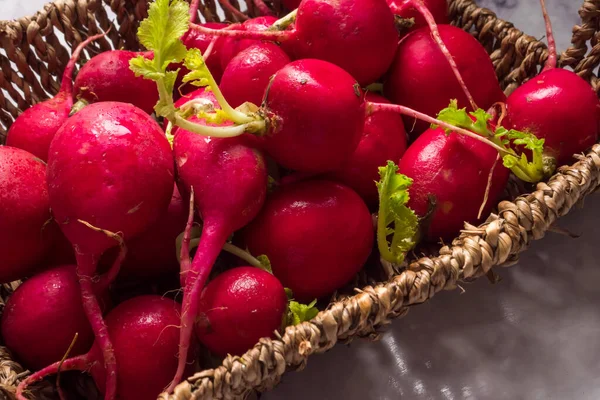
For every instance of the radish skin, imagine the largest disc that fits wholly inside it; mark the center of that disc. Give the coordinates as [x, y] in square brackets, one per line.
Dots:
[96, 177]
[35, 127]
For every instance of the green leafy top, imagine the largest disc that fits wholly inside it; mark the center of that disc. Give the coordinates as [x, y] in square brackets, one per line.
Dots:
[265, 263]
[298, 313]
[167, 21]
[395, 218]
[477, 121]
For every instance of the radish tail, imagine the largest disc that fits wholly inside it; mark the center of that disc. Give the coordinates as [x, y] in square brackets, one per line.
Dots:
[79, 363]
[184, 254]
[277, 36]
[66, 85]
[86, 269]
[211, 242]
[424, 11]
[194, 10]
[236, 13]
[551, 61]
[262, 7]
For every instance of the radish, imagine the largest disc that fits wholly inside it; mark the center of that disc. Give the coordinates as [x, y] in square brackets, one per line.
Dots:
[248, 74]
[106, 77]
[357, 35]
[406, 10]
[451, 173]
[383, 138]
[239, 307]
[558, 106]
[228, 179]
[34, 129]
[24, 214]
[145, 335]
[46, 309]
[109, 166]
[232, 46]
[317, 235]
[420, 67]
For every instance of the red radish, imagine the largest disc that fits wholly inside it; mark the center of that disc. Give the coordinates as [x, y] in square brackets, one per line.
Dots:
[198, 98]
[239, 307]
[110, 166]
[232, 46]
[107, 77]
[248, 73]
[145, 335]
[24, 213]
[558, 106]
[405, 9]
[453, 171]
[152, 254]
[46, 309]
[197, 40]
[229, 181]
[304, 104]
[34, 129]
[422, 79]
[317, 235]
[357, 35]
[383, 138]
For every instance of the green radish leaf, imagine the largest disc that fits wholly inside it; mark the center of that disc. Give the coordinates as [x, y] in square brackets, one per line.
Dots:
[298, 313]
[459, 117]
[199, 74]
[266, 264]
[289, 293]
[395, 218]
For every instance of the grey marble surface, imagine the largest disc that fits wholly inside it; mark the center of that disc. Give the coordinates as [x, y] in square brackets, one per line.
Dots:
[535, 335]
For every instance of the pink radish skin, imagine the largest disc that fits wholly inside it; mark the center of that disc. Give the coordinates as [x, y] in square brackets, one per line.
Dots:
[421, 78]
[247, 75]
[383, 138]
[107, 77]
[152, 254]
[303, 104]
[34, 129]
[557, 105]
[24, 214]
[229, 179]
[239, 307]
[455, 170]
[145, 335]
[357, 35]
[405, 9]
[109, 165]
[232, 46]
[46, 309]
[317, 235]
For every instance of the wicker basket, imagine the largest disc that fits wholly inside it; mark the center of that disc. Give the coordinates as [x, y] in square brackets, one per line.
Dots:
[33, 61]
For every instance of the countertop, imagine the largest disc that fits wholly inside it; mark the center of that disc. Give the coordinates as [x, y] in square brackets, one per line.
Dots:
[534, 335]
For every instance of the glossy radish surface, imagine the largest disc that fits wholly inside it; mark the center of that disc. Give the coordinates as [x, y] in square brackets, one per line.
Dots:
[383, 138]
[249, 72]
[107, 77]
[35, 127]
[46, 309]
[239, 307]
[304, 103]
[24, 213]
[421, 78]
[231, 47]
[452, 170]
[317, 235]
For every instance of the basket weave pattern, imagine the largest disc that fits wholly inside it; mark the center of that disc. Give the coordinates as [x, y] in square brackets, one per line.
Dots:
[33, 63]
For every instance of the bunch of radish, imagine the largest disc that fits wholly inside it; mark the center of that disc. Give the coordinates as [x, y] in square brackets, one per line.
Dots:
[238, 175]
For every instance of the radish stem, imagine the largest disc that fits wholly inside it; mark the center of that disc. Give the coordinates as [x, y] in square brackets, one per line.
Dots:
[285, 21]
[424, 11]
[254, 35]
[79, 363]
